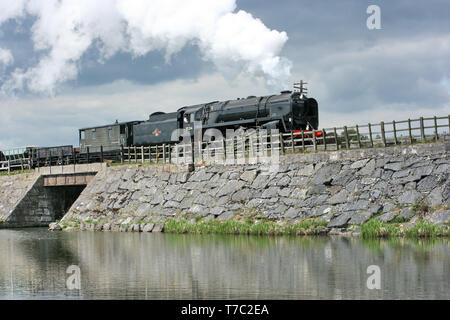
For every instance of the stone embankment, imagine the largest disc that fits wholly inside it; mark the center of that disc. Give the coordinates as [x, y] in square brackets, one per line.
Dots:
[13, 190]
[341, 190]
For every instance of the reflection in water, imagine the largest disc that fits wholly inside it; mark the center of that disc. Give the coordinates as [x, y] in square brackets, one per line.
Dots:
[164, 266]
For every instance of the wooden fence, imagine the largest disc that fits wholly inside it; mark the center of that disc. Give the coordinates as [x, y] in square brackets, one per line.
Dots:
[18, 164]
[249, 146]
[252, 145]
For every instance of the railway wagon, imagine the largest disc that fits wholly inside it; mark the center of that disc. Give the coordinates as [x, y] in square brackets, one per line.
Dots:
[109, 137]
[52, 152]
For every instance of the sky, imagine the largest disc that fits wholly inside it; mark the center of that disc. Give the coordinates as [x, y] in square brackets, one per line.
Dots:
[69, 64]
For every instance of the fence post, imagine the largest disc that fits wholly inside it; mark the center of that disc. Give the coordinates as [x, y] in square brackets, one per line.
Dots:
[9, 167]
[87, 155]
[436, 136]
[101, 154]
[192, 152]
[383, 135]
[347, 142]
[370, 135]
[164, 152]
[281, 143]
[21, 163]
[314, 140]
[292, 141]
[395, 132]
[410, 132]
[170, 153]
[142, 154]
[303, 140]
[121, 153]
[422, 130]
[150, 154]
[449, 123]
[358, 136]
[200, 150]
[324, 135]
[336, 140]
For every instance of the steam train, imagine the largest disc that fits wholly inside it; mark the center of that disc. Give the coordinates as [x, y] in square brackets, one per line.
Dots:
[287, 111]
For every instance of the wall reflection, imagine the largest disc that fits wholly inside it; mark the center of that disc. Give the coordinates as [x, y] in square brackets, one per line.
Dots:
[164, 266]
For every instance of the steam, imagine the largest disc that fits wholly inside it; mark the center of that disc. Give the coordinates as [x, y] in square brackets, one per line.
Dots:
[64, 30]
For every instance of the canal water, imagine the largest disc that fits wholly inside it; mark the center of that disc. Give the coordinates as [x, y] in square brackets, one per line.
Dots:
[34, 265]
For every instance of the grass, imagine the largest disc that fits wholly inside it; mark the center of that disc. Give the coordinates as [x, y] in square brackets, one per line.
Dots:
[15, 172]
[425, 229]
[376, 228]
[399, 219]
[240, 227]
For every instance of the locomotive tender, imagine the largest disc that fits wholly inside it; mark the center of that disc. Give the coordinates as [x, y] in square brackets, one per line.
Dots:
[287, 111]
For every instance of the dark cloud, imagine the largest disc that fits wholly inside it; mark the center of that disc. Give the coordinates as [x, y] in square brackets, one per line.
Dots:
[354, 69]
[149, 69]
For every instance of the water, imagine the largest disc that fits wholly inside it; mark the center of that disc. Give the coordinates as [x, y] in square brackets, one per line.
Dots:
[33, 265]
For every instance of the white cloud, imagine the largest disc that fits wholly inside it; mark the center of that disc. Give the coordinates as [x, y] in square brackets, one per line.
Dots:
[65, 29]
[6, 57]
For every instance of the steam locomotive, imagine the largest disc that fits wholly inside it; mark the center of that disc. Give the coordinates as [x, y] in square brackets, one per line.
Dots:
[287, 111]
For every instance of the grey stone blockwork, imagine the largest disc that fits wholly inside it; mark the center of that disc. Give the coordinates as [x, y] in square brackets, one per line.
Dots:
[342, 188]
[25, 202]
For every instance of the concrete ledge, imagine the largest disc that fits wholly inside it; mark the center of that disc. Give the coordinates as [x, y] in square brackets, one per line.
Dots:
[71, 169]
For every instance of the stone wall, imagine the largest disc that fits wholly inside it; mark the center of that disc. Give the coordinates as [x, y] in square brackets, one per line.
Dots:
[343, 188]
[25, 202]
[12, 190]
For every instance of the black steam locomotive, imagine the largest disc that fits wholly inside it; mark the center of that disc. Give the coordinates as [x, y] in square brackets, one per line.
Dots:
[288, 111]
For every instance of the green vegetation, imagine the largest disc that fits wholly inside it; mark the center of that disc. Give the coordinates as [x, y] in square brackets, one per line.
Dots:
[425, 229]
[73, 220]
[13, 173]
[376, 228]
[399, 219]
[308, 226]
